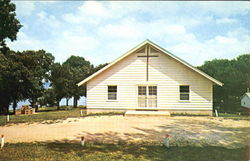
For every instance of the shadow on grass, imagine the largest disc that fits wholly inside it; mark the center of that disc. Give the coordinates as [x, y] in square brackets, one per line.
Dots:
[155, 151]
[63, 150]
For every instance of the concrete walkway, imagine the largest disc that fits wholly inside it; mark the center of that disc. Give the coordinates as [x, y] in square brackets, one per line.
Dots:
[147, 113]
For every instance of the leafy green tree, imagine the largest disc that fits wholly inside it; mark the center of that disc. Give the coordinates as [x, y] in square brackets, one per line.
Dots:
[100, 66]
[39, 64]
[48, 98]
[5, 95]
[9, 25]
[79, 69]
[235, 76]
[11, 88]
[59, 80]
[22, 75]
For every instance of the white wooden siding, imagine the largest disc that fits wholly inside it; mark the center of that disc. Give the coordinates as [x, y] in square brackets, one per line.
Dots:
[245, 101]
[163, 71]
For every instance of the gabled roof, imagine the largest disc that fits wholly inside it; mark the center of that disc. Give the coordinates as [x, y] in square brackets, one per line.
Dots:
[148, 42]
[246, 94]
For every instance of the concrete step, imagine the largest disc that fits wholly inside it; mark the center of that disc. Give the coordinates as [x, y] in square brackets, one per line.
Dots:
[147, 113]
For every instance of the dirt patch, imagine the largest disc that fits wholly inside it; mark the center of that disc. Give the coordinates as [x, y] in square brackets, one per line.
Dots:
[190, 130]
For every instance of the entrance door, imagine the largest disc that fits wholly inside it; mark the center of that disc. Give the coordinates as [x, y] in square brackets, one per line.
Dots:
[147, 96]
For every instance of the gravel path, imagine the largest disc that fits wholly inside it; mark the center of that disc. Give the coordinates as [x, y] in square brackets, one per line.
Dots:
[207, 130]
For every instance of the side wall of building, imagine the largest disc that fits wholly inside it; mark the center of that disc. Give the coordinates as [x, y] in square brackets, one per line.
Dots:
[245, 102]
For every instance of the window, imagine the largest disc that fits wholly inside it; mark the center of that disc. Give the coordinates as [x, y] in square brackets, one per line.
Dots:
[112, 92]
[184, 92]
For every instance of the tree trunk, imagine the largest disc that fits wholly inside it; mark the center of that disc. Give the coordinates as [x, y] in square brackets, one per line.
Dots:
[58, 104]
[14, 106]
[4, 104]
[67, 101]
[4, 109]
[34, 104]
[75, 102]
[226, 108]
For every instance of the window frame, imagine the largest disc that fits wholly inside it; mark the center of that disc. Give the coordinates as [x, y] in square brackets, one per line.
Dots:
[189, 98]
[108, 93]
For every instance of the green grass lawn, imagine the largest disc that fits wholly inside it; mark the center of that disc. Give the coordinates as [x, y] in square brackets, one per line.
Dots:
[115, 152]
[234, 116]
[50, 115]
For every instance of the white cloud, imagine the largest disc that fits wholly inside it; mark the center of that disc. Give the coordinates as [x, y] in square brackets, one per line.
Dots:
[102, 31]
[172, 8]
[24, 8]
[228, 46]
[224, 8]
[72, 44]
[90, 12]
[225, 21]
[93, 8]
[48, 20]
[61, 47]
[127, 28]
[25, 42]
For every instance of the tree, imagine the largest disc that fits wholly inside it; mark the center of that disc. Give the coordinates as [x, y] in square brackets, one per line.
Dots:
[100, 66]
[79, 69]
[4, 84]
[9, 25]
[22, 75]
[59, 81]
[235, 75]
[48, 98]
[38, 64]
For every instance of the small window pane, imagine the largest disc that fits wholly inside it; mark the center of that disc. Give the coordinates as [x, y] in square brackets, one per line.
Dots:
[152, 90]
[184, 88]
[112, 88]
[184, 96]
[142, 90]
[112, 96]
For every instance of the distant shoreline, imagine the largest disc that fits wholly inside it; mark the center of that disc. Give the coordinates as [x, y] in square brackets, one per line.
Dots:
[81, 101]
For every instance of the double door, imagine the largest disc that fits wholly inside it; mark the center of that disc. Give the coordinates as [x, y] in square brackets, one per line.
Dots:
[147, 96]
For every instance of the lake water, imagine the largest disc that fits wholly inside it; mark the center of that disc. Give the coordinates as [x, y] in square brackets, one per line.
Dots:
[81, 101]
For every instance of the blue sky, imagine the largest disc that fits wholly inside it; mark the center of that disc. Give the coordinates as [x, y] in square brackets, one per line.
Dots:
[101, 31]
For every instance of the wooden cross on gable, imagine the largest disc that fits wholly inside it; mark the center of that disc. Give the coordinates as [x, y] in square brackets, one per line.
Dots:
[147, 52]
